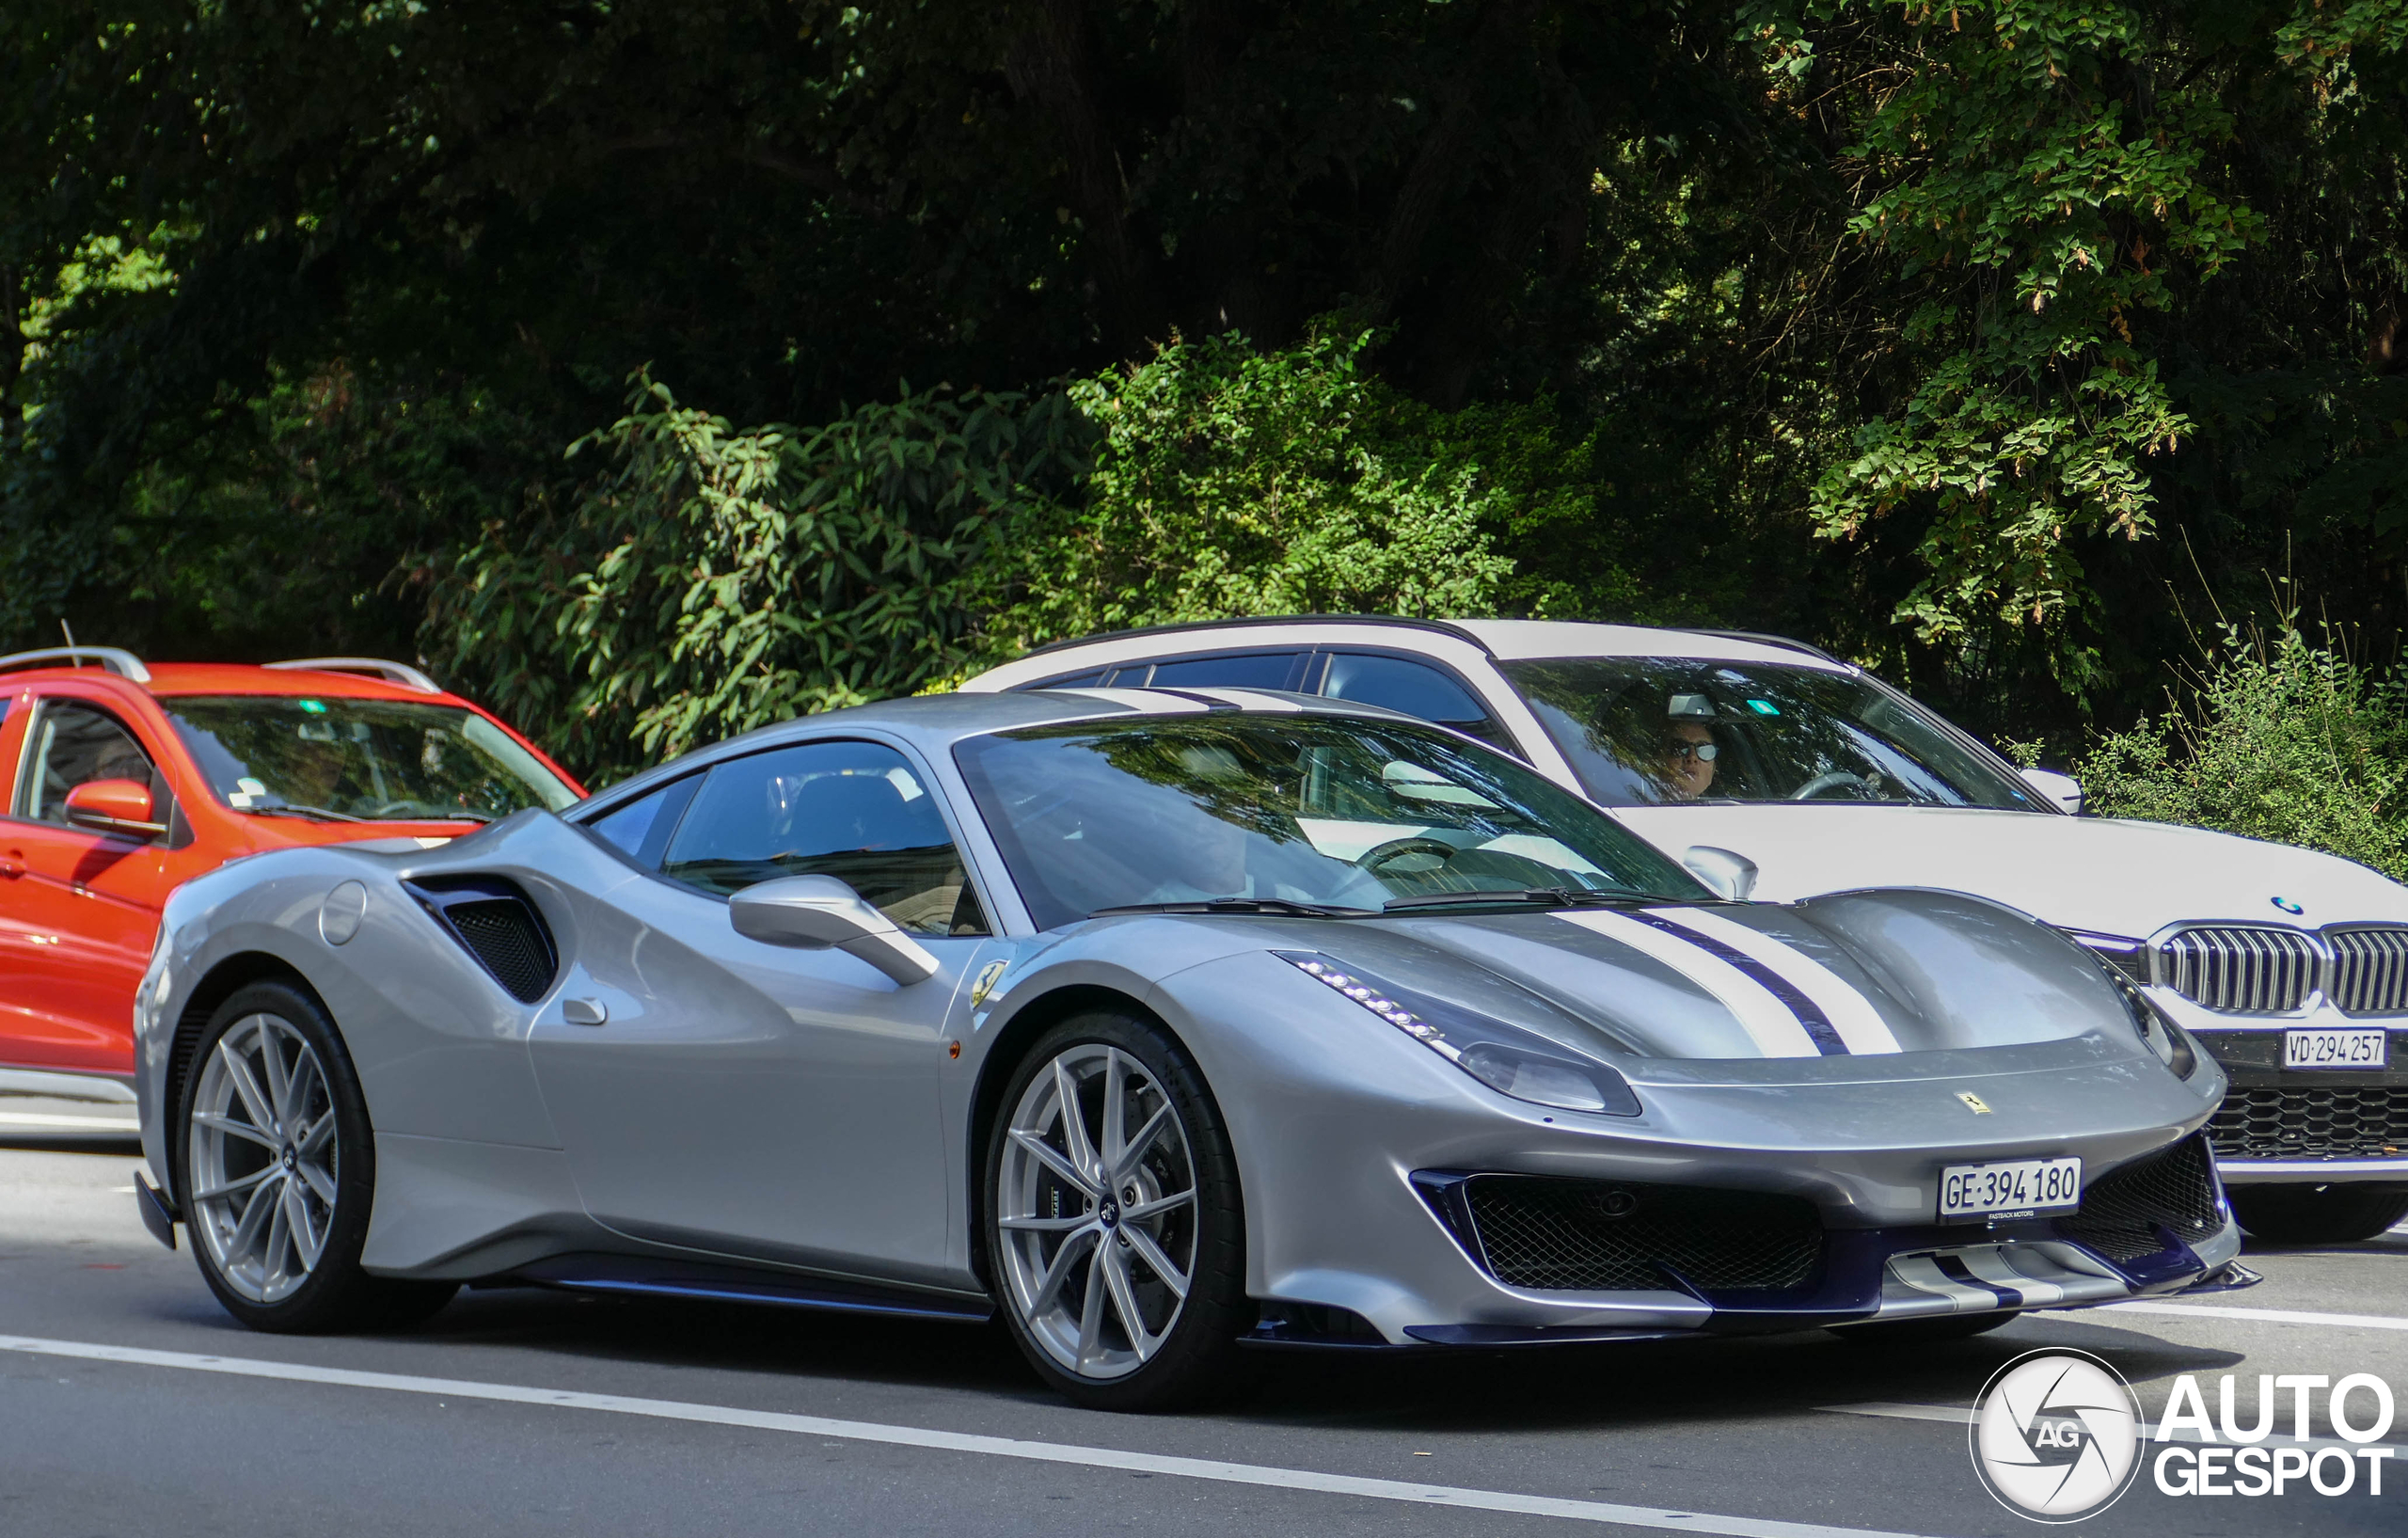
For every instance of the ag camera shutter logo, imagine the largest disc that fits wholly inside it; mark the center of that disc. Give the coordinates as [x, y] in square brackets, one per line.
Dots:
[2056, 1435]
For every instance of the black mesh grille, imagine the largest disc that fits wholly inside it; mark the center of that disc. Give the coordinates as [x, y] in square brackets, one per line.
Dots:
[1595, 1235]
[2323, 1122]
[504, 935]
[2121, 1216]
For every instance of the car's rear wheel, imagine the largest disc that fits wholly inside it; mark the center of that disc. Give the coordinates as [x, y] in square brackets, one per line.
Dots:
[1934, 1331]
[1114, 1228]
[279, 1171]
[2317, 1215]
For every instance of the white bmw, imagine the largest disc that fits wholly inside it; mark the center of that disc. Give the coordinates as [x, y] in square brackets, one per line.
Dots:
[2291, 966]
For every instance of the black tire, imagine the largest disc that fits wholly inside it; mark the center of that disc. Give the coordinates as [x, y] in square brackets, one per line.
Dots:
[336, 1294]
[1196, 1356]
[1898, 1333]
[2317, 1215]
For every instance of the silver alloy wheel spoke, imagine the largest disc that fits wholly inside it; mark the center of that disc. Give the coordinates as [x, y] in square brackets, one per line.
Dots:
[1124, 1303]
[1156, 1261]
[1097, 1235]
[264, 1156]
[1053, 1160]
[227, 1124]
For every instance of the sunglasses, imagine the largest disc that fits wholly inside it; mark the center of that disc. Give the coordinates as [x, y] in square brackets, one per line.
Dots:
[1702, 752]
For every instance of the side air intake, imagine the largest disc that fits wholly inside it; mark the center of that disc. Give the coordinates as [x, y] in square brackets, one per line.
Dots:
[495, 922]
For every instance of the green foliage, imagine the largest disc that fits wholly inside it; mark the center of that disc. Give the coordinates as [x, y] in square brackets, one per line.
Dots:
[711, 580]
[1230, 480]
[2283, 739]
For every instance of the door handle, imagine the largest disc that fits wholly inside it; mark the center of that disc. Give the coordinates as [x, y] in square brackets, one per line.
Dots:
[583, 1012]
[13, 862]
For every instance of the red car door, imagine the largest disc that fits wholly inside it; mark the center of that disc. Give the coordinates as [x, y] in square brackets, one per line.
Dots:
[82, 910]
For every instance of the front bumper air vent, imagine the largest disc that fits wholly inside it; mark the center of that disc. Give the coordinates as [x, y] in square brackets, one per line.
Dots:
[1550, 1234]
[497, 922]
[2128, 1212]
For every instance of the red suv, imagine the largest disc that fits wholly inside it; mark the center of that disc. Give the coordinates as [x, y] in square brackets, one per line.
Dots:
[126, 779]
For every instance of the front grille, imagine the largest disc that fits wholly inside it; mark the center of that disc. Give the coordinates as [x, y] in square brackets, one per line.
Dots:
[2240, 971]
[503, 933]
[2127, 1214]
[2321, 1122]
[2371, 971]
[1561, 1235]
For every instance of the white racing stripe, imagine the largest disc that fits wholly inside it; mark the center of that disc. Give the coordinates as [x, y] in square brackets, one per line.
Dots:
[947, 1441]
[1769, 1022]
[2265, 1316]
[1918, 1271]
[1851, 1013]
[1991, 1267]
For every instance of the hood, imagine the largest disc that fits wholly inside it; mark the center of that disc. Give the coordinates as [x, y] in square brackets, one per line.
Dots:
[2100, 873]
[1860, 985]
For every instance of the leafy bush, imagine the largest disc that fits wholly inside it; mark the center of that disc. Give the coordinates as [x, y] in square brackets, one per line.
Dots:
[712, 580]
[1228, 481]
[2280, 739]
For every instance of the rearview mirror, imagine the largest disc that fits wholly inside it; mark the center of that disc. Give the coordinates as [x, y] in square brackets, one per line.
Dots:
[1731, 876]
[2062, 789]
[820, 913]
[114, 806]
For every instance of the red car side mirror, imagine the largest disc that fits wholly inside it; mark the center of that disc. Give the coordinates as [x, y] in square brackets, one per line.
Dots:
[114, 806]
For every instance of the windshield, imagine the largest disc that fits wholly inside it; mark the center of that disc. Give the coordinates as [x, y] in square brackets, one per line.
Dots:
[1647, 730]
[368, 760]
[1352, 814]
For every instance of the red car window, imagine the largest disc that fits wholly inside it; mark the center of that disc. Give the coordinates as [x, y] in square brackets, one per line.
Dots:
[74, 744]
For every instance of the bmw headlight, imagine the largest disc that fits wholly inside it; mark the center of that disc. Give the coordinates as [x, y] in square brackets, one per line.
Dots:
[1507, 1058]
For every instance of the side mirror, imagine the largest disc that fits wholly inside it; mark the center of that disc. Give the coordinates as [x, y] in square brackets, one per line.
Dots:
[1731, 876]
[2063, 789]
[115, 806]
[820, 913]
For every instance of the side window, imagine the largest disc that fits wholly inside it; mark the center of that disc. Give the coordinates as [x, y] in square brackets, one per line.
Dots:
[852, 809]
[640, 828]
[74, 744]
[1415, 688]
[1244, 670]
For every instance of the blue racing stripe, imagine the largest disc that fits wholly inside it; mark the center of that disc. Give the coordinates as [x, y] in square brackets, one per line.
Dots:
[1956, 1271]
[1810, 1014]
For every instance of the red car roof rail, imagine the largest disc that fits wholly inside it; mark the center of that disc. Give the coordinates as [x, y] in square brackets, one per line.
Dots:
[392, 673]
[111, 658]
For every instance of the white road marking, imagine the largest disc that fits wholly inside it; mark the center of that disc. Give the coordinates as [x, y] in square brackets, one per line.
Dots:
[2268, 1316]
[1769, 1022]
[947, 1441]
[29, 1118]
[1851, 1013]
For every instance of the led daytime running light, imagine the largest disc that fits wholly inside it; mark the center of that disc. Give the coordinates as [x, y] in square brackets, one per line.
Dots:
[1379, 1003]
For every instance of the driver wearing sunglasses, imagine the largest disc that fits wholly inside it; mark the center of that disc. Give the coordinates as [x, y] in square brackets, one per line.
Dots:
[1688, 759]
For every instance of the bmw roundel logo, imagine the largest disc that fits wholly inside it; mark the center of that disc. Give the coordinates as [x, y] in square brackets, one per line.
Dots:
[2288, 907]
[2056, 1435]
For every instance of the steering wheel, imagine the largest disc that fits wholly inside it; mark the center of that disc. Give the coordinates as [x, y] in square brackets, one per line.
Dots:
[1832, 780]
[1396, 848]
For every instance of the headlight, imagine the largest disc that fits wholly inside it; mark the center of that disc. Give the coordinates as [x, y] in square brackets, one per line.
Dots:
[1508, 1059]
[2126, 963]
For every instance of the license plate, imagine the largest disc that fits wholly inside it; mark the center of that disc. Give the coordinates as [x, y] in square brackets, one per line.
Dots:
[2333, 1049]
[2023, 1185]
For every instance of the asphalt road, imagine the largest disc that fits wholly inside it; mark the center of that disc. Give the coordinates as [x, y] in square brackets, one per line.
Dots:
[130, 1403]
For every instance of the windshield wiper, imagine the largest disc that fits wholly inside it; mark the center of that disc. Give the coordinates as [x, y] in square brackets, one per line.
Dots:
[1552, 896]
[1284, 907]
[313, 813]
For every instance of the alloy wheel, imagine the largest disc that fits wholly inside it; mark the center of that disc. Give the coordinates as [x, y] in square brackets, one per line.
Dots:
[263, 1160]
[1095, 1210]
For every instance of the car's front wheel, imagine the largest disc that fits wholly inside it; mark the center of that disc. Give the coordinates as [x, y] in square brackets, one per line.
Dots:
[2317, 1215]
[1114, 1232]
[279, 1170]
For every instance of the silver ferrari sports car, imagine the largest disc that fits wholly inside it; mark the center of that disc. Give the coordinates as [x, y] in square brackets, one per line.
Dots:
[1161, 1024]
